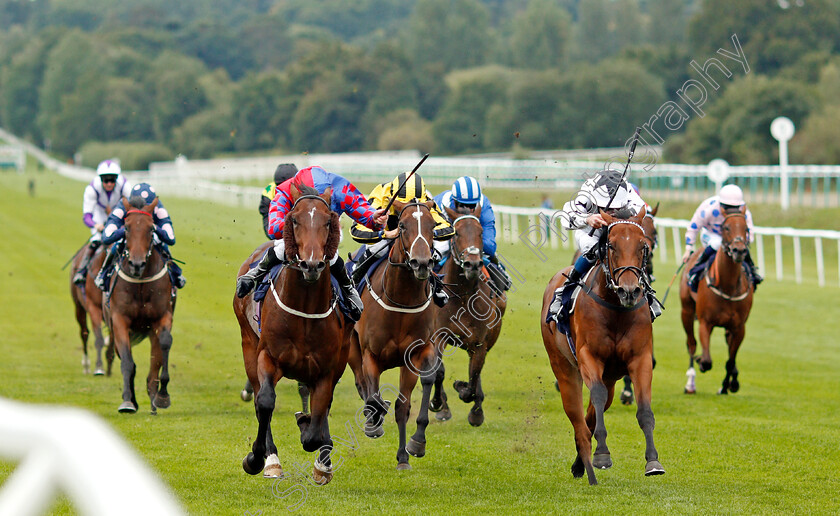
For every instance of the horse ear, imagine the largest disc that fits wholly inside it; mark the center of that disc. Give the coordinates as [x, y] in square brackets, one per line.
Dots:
[125, 204]
[609, 219]
[743, 209]
[640, 216]
[452, 213]
[293, 189]
[654, 210]
[431, 205]
[327, 195]
[150, 208]
[398, 206]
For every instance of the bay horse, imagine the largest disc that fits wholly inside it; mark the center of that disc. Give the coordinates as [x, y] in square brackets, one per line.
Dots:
[724, 298]
[395, 329]
[141, 304]
[302, 336]
[87, 302]
[474, 311]
[612, 335]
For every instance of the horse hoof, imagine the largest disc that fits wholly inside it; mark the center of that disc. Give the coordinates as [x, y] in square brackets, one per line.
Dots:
[626, 397]
[435, 406]
[654, 468]
[444, 415]
[403, 466]
[374, 433]
[602, 461]
[127, 407]
[302, 419]
[476, 417]
[415, 448]
[321, 473]
[252, 464]
[691, 391]
[734, 386]
[722, 391]
[459, 385]
[272, 468]
[246, 396]
[162, 401]
[99, 372]
[577, 468]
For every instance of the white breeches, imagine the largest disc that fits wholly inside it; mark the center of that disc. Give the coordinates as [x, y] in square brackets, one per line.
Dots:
[711, 239]
[585, 241]
[280, 251]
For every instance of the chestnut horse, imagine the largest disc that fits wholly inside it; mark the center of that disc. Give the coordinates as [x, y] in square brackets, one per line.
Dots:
[724, 298]
[474, 312]
[141, 304]
[87, 301]
[612, 335]
[396, 329]
[302, 335]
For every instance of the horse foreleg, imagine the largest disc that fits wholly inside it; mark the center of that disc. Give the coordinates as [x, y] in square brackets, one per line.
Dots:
[734, 338]
[267, 373]
[641, 374]
[153, 380]
[303, 392]
[120, 337]
[417, 445]
[354, 358]
[704, 362]
[438, 403]
[109, 353]
[162, 399]
[474, 391]
[316, 435]
[375, 406]
[84, 332]
[408, 379]
[600, 399]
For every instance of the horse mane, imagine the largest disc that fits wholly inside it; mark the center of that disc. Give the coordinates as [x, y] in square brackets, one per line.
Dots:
[136, 202]
[623, 213]
[289, 236]
[335, 235]
[306, 189]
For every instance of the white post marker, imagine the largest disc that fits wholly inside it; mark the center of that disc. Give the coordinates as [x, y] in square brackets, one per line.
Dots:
[718, 172]
[782, 130]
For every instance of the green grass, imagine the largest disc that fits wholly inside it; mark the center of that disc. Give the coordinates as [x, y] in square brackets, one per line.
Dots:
[771, 448]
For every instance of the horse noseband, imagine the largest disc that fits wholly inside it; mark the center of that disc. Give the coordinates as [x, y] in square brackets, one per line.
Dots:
[613, 274]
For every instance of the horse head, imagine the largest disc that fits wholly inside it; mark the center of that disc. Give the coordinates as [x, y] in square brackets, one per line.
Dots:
[139, 227]
[467, 242]
[311, 231]
[416, 233]
[627, 250]
[734, 232]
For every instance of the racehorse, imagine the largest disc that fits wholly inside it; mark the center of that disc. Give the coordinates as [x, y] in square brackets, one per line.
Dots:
[612, 335]
[475, 312]
[724, 298]
[301, 334]
[87, 301]
[652, 236]
[141, 304]
[396, 329]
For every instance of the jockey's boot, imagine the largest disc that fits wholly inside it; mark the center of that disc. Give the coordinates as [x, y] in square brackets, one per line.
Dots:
[81, 274]
[756, 277]
[104, 272]
[654, 305]
[249, 280]
[559, 308]
[176, 275]
[363, 264]
[499, 275]
[439, 295]
[699, 266]
[348, 290]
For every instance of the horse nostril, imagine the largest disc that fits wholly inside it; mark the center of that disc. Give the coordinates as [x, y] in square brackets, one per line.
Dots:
[413, 263]
[321, 266]
[304, 266]
[636, 292]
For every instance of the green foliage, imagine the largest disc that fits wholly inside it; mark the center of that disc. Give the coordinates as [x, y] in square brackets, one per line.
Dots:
[177, 91]
[132, 155]
[737, 127]
[455, 33]
[404, 129]
[540, 34]
[594, 40]
[204, 134]
[667, 21]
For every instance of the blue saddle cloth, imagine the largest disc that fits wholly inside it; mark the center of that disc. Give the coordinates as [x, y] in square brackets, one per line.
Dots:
[351, 262]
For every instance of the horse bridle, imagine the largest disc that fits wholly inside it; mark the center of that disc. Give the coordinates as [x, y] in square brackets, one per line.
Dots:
[654, 240]
[125, 255]
[613, 274]
[405, 264]
[470, 250]
[294, 262]
[727, 245]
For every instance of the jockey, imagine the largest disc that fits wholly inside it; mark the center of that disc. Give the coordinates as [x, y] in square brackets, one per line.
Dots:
[582, 214]
[379, 242]
[708, 217]
[464, 196]
[284, 172]
[101, 196]
[345, 199]
[141, 195]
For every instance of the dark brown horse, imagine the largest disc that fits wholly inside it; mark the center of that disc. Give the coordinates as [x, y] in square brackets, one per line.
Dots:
[724, 298]
[141, 304]
[87, 301]
[474, 312]
[302, 334]
[612, 336]
[396, 329]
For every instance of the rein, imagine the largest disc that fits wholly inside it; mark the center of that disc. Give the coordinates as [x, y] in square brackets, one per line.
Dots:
[294, 262]
[471, 250]
[614, 274]
[299, 313]
[131, 279]
[711, 279]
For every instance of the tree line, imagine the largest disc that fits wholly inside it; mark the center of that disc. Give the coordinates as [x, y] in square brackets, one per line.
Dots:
[148, 79]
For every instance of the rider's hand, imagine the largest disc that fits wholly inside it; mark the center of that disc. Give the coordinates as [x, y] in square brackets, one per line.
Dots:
[391, 234]
[596, 221]
[380, 217]
[687, 254]
[99, 226]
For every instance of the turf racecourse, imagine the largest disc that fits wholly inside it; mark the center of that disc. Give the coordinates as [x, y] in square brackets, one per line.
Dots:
[771, 448]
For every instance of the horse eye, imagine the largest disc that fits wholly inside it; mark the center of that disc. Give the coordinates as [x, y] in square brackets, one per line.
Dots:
[401, 225]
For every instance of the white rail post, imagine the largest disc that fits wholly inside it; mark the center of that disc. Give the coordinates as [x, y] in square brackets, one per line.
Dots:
[759, 246]
[663, 248]
[778, 241]
[676, 232]
[797, 258]
[782, 130]
[820, 265]
[514, 226]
